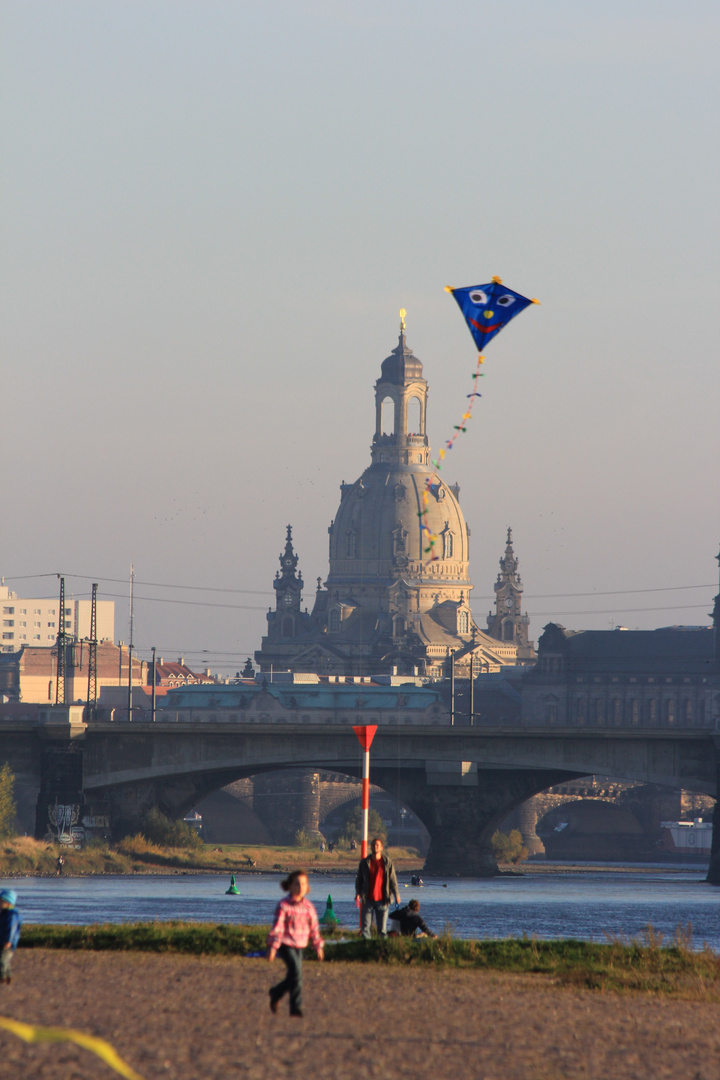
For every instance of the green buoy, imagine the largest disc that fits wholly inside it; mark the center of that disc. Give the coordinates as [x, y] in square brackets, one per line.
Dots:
[233, 890]
[329, 918]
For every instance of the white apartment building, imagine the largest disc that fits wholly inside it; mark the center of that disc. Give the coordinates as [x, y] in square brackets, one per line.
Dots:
[38, 621]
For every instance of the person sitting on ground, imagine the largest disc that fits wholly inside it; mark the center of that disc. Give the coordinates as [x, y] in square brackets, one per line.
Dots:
[411, 921]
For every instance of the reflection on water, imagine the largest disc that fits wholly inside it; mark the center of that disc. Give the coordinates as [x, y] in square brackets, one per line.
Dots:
[580, 904]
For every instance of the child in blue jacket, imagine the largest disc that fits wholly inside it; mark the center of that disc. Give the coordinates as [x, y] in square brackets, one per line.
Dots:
[10, 923]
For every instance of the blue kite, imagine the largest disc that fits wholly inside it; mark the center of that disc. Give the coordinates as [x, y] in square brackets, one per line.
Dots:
[488, 308]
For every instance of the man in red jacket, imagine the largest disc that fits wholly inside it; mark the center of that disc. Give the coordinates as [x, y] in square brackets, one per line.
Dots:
[375, 886]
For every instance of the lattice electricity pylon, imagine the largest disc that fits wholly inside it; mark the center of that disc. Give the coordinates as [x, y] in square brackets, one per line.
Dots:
[61, 650]
[92, 658]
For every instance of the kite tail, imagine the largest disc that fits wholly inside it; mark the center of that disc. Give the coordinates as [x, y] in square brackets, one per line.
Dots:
[31, 1033]
[431, 537]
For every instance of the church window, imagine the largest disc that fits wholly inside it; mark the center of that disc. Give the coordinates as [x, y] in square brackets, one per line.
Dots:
[651, 711]
[387, 417]
[334, 620]
[507, 630]
[288, 625]
[580, 705]
[398, 626]
[414, 414]
[687, 711]
[463, 622]
[447, 539]
[669, 711]
[701, 712]
[634, 711]
[351, 544]
[599, 711]
[616, 710]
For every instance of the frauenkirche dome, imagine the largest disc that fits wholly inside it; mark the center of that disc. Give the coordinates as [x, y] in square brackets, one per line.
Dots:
[386, 607]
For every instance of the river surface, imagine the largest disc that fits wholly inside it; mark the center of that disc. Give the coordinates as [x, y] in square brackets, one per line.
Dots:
[585, 904]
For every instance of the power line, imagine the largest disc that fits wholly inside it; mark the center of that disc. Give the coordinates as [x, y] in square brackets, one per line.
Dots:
[615, 610]
[149, 584]
[189, 603]
[267, 592]
[613, 592]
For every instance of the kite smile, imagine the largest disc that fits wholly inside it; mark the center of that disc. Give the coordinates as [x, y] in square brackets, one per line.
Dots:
[484, 329]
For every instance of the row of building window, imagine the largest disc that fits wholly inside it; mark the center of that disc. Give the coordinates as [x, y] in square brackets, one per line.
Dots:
[36, 611]
[652, 711]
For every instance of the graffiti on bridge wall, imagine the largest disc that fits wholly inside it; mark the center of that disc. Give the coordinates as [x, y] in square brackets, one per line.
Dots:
[63, 827]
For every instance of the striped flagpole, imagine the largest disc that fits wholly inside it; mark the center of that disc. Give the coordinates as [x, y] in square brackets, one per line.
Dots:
[365, 735]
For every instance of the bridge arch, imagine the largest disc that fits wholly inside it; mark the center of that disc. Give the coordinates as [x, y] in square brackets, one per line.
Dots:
[461, 782]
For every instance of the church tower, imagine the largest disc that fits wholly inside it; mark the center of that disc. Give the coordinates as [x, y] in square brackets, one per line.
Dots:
[401, 409]
[385, 607]
[508, 622]
[287, 622]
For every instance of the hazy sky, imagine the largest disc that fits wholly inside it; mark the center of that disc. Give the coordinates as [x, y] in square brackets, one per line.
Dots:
[211, 214]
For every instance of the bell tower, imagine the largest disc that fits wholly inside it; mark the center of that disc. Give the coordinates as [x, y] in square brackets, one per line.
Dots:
[508, 623]
[401, 408]
[288, 584]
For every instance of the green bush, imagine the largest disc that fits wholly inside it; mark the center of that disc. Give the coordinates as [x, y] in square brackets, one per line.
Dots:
[8, 809]
[352, 827]
[162, 830]
[306, 839]
[508, 847]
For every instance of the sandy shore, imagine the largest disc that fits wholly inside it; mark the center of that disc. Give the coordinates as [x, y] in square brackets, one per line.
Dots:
[185, 1018]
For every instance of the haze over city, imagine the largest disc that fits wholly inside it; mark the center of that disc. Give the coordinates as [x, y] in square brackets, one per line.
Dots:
[211, 216]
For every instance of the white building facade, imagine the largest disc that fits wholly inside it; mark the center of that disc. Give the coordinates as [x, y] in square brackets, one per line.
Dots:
[37, 621]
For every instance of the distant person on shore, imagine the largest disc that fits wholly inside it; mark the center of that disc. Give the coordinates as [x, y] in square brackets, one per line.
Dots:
[295, 924]
[59, 864]
[375, 886]
[411, 921]
[353, 845]
[10, 923]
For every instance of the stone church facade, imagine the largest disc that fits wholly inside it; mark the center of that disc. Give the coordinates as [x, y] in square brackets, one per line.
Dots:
[385, 607]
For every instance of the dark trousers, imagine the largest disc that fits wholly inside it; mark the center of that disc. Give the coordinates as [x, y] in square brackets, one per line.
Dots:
[292, 983]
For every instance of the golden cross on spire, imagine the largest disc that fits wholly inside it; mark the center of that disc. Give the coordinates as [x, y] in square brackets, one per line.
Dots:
[403, 313]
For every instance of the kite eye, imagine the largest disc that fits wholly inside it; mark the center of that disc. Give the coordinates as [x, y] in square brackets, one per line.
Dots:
[478, 296]
[505, 301]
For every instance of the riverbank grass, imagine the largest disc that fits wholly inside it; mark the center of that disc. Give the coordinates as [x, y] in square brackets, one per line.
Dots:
[648, 964]
[137, 855]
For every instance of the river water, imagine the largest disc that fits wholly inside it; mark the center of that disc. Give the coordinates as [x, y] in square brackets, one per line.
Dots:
[586, 904]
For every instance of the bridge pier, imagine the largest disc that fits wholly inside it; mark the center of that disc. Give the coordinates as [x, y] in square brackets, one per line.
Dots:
[461, 806]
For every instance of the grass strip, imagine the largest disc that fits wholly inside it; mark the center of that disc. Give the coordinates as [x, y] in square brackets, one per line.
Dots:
[647, 964]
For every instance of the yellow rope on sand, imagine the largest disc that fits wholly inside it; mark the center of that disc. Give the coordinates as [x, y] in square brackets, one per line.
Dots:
[32, 1034]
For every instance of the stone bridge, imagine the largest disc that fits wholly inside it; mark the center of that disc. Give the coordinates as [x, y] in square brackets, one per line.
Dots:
[460, 781]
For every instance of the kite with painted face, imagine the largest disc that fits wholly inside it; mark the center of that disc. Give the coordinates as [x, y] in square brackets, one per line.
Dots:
[488, 308]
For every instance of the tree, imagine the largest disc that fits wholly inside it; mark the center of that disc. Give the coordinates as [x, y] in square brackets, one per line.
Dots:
[8, 809]
[160, 829]
[352, 826]
[508, 847]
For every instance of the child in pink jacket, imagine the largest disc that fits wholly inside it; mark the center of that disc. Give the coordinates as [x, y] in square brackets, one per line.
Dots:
[295, 924]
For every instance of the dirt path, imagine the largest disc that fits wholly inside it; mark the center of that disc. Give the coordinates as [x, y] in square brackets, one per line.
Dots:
[182, 1018]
